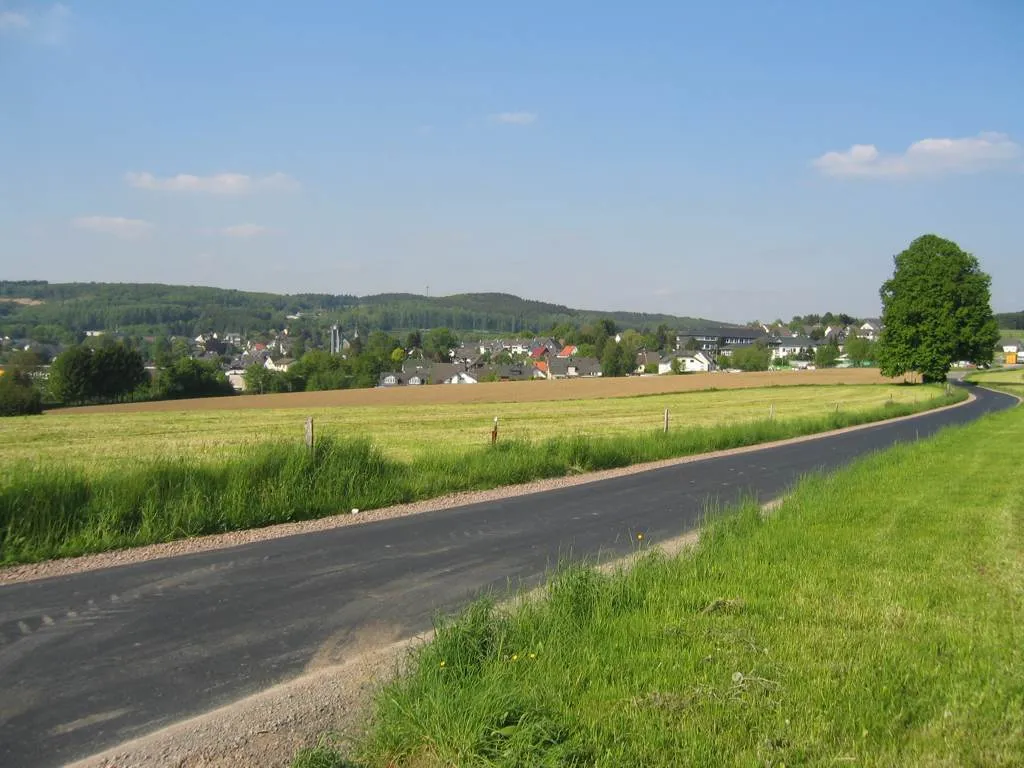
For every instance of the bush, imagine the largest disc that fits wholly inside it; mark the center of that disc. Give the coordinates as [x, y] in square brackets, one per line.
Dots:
[186, 378]
[753, 358]
[18, 397]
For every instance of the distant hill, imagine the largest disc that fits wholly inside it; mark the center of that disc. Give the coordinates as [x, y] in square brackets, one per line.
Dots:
[1011, 320]
[152, 308]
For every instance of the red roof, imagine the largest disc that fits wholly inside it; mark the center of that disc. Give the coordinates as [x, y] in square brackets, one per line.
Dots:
[538, 353]
[569, 351]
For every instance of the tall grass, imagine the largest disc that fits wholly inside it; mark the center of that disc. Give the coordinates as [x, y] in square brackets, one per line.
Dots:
[875, 618]
[50, 511]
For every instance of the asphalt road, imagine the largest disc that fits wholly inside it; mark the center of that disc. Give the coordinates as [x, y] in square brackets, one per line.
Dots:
[90, 660]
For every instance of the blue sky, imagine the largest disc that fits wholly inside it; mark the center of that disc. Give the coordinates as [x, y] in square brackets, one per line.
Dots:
[734, 160]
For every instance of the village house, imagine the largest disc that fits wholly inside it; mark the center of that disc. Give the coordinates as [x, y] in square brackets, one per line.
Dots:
[836, 333]
[646, 357]
[714, 339]
[236, 378]
[574, 367]
[391, 379]
[689, 362]
[1013, 352]
[793, 347]
[870, 329]
[281, 365]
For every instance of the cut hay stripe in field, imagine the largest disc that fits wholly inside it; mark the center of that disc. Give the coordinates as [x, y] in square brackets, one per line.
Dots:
[103, 440]
[507, 392]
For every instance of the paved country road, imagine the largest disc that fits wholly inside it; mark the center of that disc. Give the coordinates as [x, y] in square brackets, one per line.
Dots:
[90, 660]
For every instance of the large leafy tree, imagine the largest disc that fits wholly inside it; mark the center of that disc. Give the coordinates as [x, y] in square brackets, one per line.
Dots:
[614, 361]
[71, 375]
[186, 377]
[18, 397]
[116, 371]
[756, 357]
[859, 350]
[438, 343]
[935, 309]
[18, 394]
[81, 373]
[826, 355]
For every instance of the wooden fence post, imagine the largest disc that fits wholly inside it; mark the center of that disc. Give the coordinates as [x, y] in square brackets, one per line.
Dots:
[494, 432]
[666, 421]
[309, 433]
[772, 414]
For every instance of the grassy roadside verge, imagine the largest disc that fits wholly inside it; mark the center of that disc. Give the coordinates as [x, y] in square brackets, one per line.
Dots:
[1009, 380]
[48, 512]
[876, 618]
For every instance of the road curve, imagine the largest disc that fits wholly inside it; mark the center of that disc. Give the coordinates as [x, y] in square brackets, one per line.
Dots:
[93, 659]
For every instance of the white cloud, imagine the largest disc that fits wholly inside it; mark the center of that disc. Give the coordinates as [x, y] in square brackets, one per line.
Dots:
[218, 184]
[928, 157]
[246, 230]
[117, 226]
[13, 20]
[515, 118]
[48, 26]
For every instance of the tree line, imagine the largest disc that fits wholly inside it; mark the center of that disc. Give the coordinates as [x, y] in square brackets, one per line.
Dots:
[107, 373]
[1013, 321]
[48, 311]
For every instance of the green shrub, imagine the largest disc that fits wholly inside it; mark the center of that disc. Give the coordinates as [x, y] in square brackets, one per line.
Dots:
[18, 397]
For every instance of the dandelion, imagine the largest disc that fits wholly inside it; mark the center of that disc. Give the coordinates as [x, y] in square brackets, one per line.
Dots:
[533, 655]
[442, 662]
[515, 657]
[639, 537]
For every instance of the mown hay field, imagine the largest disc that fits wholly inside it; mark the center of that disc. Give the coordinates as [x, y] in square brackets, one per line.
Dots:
[504, 392]
[98, 441]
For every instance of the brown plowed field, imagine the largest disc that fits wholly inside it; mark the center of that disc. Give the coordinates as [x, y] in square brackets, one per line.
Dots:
[505, 392]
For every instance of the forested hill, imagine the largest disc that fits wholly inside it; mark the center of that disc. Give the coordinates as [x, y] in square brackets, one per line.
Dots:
[1012, 320]
[150, 308]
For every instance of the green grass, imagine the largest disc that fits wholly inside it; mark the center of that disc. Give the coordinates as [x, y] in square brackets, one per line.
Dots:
[1007, 376]
[876, 618]
[49, 511]
[1010, 381]
[1010, 378]
[97, 442]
